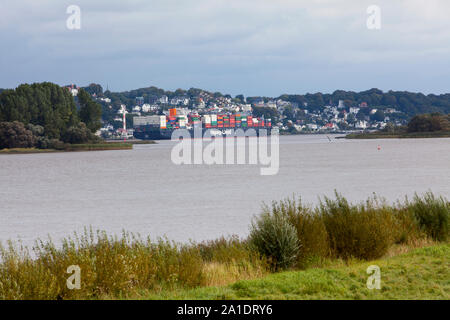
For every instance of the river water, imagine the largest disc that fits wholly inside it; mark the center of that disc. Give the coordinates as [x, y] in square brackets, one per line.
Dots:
[143, 191]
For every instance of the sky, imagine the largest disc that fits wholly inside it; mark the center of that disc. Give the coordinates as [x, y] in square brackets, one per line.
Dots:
[250, 47]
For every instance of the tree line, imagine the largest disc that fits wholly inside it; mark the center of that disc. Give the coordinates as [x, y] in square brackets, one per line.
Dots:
[45, 115]
[410, 103]
[429, 123]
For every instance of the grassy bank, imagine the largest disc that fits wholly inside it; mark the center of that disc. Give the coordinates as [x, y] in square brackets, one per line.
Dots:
[26, 150]
[420, 274]
[73, 147]
[132, 141]
[99, 146]
[403, 135]
[330, 242]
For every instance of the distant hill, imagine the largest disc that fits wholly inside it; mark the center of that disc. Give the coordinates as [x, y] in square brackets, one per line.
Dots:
[408, 102]
[411, 103]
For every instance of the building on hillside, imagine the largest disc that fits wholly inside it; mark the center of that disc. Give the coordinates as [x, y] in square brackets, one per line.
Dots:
[362, 124]
[164, 99]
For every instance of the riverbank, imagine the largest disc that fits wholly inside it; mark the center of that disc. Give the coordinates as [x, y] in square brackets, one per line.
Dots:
[287, 237]
[403, 135]
[108, 145]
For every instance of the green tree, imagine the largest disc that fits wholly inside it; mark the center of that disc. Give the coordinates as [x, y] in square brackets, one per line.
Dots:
[78, 134]
[428, 123]
[90, 111]
[378, 116]
[351, 119]
[266, 112]
[45, 104]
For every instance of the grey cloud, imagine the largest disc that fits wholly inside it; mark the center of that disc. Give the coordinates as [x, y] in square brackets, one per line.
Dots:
[265, 47]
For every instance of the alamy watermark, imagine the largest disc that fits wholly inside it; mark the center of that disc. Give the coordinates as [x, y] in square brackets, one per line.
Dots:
[74, 281]
[374, 280]
[232, 147]
[73, 22]
[374, 20]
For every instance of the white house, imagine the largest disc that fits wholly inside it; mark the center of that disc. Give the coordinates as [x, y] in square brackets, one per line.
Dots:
[361, 124]
[164, 100]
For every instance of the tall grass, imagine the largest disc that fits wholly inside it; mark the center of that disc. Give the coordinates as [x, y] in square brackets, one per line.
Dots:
[228, 260]
[363, 231]
[432, 215]
[109, 266]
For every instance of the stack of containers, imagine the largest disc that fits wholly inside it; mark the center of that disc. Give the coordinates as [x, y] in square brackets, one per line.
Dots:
[162, 122]
[226, 121]
[255, 122]
[195, 119]
[207, 121]
[182, 121]
[214, 120]
[171, 122]
[250, 121]
[261, 124]
[233, 121]
[220, 121]
[269, 123]
[244, 122]
[238, 121]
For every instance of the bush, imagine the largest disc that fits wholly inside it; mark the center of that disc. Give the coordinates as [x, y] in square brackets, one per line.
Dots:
[432, 215]
[15, 135]
[37, 130]
[274, 237]
[363, 231]
[310, 228]
[78, 134]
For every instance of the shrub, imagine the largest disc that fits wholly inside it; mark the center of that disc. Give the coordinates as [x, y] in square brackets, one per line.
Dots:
[78, 134]
[15, 135]
[432, 215]
[310, 228]
[362, 231]
[274, 237]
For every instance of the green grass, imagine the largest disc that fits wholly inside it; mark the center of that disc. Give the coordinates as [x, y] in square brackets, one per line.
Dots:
[420, 274]
[100, 146]
[25, 150]
[132, 141]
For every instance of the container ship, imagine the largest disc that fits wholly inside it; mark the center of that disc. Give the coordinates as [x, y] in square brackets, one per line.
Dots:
[218, 125]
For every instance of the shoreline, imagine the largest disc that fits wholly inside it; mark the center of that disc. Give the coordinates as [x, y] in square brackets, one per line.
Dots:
[412, 135]
[105, 146]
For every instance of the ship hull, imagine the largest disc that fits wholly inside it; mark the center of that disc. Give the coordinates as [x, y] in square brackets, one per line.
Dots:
[153, 133]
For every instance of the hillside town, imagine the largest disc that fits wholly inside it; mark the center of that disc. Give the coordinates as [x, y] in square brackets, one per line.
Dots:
[289, 117]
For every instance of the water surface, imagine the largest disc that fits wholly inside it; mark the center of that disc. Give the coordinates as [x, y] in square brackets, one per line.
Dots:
[142, 191]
